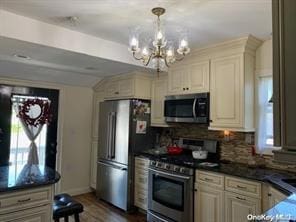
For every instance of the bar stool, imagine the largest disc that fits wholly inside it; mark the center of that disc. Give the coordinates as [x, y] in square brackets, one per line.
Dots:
[64, 206]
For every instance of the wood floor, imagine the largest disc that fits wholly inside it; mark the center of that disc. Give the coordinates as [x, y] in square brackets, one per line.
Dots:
[99, 211]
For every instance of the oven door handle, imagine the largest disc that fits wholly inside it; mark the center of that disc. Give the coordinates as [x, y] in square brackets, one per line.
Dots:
[194, 108]
[169, 174]
[157, 217]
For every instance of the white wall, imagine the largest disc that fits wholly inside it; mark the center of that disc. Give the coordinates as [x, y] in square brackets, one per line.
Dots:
[76, 137]
[264, 58]
[74, 134]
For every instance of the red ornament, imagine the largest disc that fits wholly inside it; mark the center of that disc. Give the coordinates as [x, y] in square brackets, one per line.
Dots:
[43, 118]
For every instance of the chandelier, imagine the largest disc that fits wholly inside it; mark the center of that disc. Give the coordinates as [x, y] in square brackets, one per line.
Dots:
[159, 52]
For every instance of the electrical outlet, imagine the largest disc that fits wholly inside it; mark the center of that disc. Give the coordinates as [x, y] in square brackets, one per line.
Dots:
[248, 138]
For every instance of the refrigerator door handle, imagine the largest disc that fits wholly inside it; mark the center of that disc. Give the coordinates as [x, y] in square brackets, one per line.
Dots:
[109, 137]
[113, 135]
[111, 165]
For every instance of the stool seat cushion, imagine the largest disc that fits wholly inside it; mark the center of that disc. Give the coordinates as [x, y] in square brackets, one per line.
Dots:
[64, 205]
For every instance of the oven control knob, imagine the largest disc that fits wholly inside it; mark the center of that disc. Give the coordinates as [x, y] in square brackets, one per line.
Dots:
[182, 170]
[167, 166]
[158, 164]
[177, 169]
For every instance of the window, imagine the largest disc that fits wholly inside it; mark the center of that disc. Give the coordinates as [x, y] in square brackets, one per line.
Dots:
[19, 141]
[265, 115]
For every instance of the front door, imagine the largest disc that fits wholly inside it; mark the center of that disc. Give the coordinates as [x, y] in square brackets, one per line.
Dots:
[14, 143]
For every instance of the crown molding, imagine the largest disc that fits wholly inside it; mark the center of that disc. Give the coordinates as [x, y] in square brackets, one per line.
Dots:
[247, 44]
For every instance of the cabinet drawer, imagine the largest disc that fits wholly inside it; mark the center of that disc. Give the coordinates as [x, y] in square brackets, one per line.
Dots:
[19, 200]
[241, 186]
[141, 201]
[211, 179]
[142, 163]
[36, 214]
[141, 178]
[139, 190]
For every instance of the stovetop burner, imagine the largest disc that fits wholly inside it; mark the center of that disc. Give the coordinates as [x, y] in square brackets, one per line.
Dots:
[182, 160]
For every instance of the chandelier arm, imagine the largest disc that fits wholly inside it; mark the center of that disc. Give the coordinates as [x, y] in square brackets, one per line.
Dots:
[137, 58]
[166, 62]
[149, 59]
[180, 58]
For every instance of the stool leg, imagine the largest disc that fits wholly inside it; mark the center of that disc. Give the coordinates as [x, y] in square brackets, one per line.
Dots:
[76, 216]
[66, 219]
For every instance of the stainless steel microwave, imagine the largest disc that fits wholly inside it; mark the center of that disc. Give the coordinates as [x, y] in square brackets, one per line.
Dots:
[193, 108]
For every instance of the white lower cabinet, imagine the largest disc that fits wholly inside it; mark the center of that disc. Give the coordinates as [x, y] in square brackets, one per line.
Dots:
[93, 164]
[209, 204]
[30, 205]
[37, 214]
[141, 182]
[275, 196]
[220, 198]
[238, 207]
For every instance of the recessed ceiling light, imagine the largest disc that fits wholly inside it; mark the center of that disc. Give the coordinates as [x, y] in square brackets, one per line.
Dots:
[21, 56]
[90, 68]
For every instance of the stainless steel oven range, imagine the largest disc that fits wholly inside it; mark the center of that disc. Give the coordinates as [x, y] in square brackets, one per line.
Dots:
[170, 193]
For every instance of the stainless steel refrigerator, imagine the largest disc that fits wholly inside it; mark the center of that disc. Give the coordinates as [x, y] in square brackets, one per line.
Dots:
[124, 129]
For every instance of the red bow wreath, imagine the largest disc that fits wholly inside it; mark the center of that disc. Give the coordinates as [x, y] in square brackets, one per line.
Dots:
[43, 118]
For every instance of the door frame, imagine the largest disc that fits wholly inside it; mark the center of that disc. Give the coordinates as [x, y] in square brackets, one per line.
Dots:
[60, 125]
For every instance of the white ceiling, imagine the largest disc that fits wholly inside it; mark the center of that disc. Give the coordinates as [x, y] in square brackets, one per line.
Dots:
[56, 65]
[207, 21]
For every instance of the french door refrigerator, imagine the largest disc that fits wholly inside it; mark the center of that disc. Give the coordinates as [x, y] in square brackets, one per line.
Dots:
[123, 130]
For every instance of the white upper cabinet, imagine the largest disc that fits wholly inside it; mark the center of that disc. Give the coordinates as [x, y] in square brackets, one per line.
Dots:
[176, 80]
[198, 77]
[159, 91]
[232, 86]
[232, 93]
[227, 84]
[189, 78]
[135, 85]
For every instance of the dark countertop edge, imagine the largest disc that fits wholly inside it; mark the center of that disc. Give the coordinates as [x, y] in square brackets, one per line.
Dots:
[31, 186]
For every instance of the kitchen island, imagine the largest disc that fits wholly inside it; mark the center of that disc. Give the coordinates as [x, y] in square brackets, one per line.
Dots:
[26, 193]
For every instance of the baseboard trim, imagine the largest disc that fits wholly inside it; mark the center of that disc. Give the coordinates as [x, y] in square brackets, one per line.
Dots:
[78, 191]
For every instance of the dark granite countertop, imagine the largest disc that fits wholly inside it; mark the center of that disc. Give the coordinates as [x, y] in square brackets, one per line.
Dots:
[25, 177]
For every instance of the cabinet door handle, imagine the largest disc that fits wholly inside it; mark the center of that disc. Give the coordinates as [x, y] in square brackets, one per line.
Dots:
[24, 200]
[187, 88]
[195, 190]
[207, 179]
[241, 187]
[269, 194]
[240, 198]
[183, 89]
[116, 92]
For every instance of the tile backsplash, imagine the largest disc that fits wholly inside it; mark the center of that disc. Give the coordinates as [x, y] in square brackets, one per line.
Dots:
[238, 148]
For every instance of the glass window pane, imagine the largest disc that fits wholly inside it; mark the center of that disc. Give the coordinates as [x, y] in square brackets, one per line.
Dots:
[19, 143]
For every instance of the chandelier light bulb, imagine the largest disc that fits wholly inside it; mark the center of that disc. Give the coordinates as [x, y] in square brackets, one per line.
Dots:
[170, 53]
[145, 52]
[159, 35]
[134, 42]
[183, 43]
